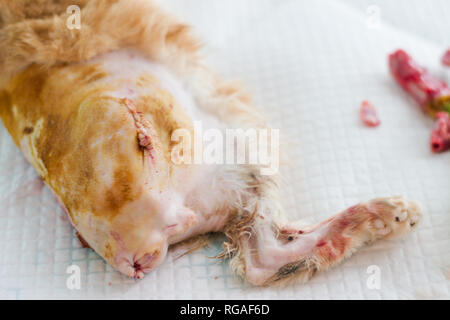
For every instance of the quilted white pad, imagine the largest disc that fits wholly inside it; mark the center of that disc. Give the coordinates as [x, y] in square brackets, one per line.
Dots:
[309, 65]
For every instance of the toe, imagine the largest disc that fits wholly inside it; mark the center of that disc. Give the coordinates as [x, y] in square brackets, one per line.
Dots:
[395, 216]
[406, 215]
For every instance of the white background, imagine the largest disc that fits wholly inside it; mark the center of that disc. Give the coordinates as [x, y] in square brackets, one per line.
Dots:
[309, 65]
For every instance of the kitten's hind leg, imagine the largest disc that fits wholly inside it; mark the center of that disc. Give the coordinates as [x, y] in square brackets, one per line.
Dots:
[268, 253]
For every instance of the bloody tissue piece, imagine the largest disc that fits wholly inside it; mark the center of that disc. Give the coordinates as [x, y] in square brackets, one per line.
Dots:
[431, 93]
[446, 58]
[369, 115]
[440, 136]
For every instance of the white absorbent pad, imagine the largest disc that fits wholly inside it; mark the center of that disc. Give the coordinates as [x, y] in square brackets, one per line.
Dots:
[309, 65]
